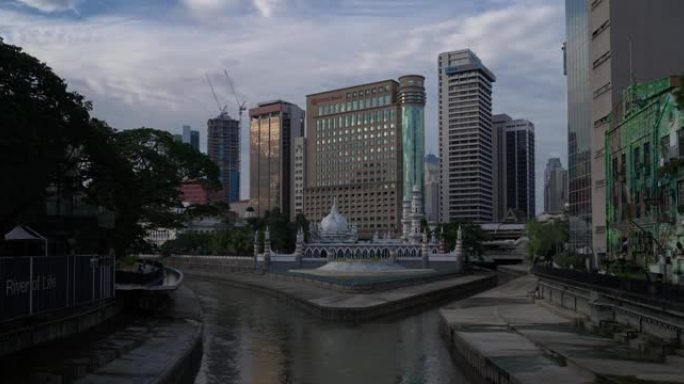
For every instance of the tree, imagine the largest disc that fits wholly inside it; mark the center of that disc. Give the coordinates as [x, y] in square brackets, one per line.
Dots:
[43, 127]
[143, 187]
[546, 239]
[473, 236]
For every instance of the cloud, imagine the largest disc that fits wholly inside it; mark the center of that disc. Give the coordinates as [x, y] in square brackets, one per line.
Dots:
[140, 71]
[266, 7]
[50, 5]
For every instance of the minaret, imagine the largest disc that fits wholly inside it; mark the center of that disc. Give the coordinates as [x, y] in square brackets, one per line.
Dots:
[416, 215]
[267, 242]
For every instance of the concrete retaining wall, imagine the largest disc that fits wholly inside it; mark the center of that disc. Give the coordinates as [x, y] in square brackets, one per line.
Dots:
[31, 335]
[408, 303]
[600, 306]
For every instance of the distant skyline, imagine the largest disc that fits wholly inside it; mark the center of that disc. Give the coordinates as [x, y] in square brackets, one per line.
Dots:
[144, 63]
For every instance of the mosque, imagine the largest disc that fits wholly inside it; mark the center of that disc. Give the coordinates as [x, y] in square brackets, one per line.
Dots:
[335, 239]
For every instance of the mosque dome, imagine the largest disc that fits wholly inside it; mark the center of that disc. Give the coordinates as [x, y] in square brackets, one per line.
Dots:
[334, 225]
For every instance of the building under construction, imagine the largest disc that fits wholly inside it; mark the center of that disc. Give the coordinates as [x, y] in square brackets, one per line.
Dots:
[223, 147]
[644, 157]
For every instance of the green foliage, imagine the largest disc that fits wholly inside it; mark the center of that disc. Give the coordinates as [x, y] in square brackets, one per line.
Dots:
[189, 243]
[546, 239]
[52, 147]
[146, 166]
[473, 236]
[43, 127]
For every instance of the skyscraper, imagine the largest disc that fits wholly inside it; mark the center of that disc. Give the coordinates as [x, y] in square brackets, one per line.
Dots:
[465, 137]
[629, 41]
[432, 191]
[223, 147]
[555, 186]
[298, 176]
[577, 69]
[191, 137]
[517, 165]
[411, 99]
[274, 125]
[354, 154]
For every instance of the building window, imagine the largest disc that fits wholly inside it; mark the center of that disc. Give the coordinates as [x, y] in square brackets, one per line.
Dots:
[680, 192]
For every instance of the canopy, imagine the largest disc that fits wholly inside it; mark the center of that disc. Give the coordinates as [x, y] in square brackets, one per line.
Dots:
[23, 233]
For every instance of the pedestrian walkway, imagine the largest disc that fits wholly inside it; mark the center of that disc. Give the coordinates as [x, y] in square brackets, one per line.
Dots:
[519, 340]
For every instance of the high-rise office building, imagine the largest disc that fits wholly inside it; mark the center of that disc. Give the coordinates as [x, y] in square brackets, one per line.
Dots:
[191, 137]
[298, 176]
[274, 125]
[499, 209]
[465, 137]
[555, 186]
[223, 147]
[432, 190]
[411, 98]
[353, 154]
[577, 69]
[516, 174]
[629, 41]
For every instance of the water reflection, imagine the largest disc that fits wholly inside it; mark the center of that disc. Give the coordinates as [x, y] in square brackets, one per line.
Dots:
[256, 339]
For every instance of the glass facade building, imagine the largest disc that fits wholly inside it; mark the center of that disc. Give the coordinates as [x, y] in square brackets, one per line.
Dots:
[578, 75]
[412, 102]
[273, 127]
[223, 147]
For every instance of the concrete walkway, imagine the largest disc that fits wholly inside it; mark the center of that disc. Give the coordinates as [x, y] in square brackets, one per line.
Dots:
[335, 305]
[508, 337]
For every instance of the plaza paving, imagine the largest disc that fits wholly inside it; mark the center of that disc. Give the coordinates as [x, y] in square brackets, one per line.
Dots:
[533, 342]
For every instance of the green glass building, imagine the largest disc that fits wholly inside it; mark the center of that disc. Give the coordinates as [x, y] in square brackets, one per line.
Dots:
[412, 102]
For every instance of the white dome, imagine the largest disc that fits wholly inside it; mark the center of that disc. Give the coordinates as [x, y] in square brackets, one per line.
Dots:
[334, 225]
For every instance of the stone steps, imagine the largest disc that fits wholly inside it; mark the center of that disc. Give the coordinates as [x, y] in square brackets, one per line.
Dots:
[99, 354]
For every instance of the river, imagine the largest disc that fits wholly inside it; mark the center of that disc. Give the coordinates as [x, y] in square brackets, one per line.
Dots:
[253, 338]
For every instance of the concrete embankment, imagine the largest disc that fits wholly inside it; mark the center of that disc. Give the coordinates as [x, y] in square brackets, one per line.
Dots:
[170, 353]
[508, 337]
[21, 335]
[343, 306]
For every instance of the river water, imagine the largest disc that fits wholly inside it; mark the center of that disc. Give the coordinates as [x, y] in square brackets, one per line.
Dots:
[253, 338]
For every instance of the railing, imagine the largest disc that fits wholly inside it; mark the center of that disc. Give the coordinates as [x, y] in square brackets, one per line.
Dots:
[33, 285]
[653, 290]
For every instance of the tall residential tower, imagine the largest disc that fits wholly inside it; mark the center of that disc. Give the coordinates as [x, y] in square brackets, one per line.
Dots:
[465, 137]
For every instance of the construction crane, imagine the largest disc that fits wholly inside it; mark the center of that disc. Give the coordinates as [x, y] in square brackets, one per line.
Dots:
[222, 111]
[240, 104]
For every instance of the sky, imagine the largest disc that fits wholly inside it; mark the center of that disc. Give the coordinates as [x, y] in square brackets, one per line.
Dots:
[144, 63]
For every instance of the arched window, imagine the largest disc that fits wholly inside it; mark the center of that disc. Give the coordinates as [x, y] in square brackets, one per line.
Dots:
[413, 253]
[324, 254]
[316, 254]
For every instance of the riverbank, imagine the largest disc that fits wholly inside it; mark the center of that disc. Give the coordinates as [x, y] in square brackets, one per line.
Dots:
[508, 337]
[342, 306]
[132, 347]
[171, 353]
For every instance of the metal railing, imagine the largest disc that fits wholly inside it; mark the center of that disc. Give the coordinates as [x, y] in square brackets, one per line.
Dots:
[32, 285]
[653, 290]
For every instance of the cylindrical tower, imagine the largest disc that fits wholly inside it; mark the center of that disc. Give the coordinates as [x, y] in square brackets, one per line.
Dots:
[412, 102]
